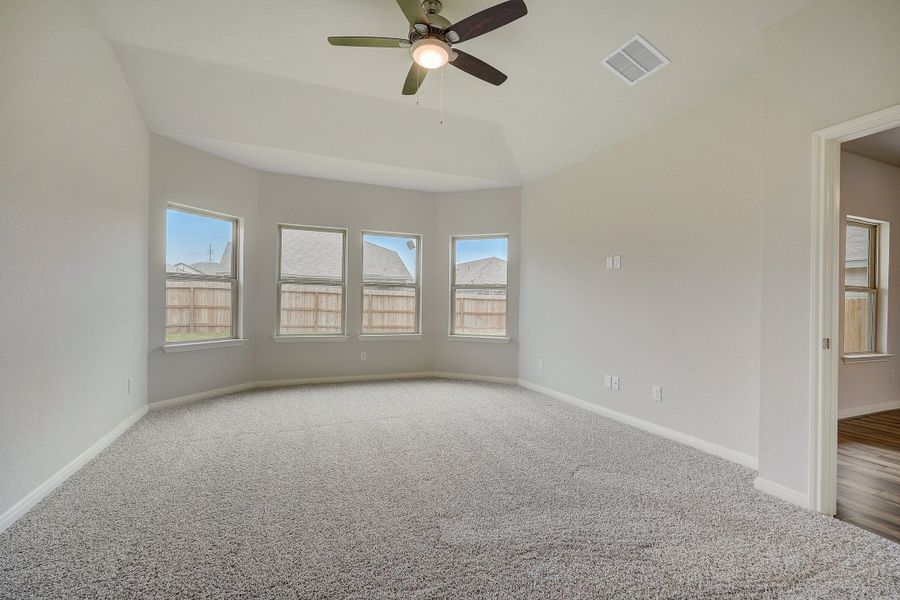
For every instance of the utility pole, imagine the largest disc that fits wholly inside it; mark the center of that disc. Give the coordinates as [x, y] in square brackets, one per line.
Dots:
[210, 252]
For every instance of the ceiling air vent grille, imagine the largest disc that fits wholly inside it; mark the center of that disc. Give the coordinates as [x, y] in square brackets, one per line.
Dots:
[635, 60]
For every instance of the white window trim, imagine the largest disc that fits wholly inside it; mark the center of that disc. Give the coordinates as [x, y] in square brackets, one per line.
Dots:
[418, 287]
[451, 335]
[210, 345]
[481, 339]
[390, 337]
[311, 337]
[237, 293]
[881, 272]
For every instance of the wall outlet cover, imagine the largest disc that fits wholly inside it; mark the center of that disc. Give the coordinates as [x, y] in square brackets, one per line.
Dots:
[657, 393]
[362, 356]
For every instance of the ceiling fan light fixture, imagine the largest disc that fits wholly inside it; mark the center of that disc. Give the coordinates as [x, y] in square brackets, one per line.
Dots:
[430, 53]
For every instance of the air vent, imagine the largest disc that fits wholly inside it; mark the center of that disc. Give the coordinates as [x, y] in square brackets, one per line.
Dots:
[634, 61]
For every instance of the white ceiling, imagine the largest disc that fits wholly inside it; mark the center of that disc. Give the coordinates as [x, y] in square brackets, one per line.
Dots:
[256, 81]
[884, 146]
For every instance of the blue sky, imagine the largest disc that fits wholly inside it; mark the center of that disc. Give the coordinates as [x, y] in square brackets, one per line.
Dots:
[189, 236]
[398, 245]
[469, 250]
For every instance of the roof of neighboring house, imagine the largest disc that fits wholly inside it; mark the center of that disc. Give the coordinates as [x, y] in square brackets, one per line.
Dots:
[221, 268]
[319, 254]
[383, 264]
[182, 268]
[857, 245]
[484, 271]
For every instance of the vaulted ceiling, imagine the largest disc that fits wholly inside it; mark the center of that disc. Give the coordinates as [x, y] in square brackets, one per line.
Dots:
[255, 81]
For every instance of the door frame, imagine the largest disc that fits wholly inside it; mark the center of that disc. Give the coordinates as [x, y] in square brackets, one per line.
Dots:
[825, 299]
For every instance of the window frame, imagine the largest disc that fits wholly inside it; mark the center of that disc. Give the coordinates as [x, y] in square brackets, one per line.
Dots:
[280, 281]
[417, 286]
[873, 289]
[454, 287]
[234, 280]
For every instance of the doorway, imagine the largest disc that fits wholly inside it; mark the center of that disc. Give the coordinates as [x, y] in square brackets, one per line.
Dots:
[827, 299]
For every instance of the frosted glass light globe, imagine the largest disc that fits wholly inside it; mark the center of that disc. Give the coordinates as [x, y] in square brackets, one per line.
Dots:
[430, 53]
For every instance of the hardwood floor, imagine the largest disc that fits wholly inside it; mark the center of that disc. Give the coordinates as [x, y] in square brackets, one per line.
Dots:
[869, 473]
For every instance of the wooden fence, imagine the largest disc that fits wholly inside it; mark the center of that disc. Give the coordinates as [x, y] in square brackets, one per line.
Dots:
[480, 312]
[857, 325]
[197, 310]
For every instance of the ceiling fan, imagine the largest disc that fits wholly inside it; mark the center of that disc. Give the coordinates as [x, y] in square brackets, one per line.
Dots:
[431, 39]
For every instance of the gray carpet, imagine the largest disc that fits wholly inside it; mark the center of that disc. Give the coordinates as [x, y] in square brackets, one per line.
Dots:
[422, 489]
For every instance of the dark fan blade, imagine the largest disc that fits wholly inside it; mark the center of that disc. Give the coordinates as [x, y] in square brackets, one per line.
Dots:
[489, 20]
[414, 79]
[414, 12]
[478, 68]
[368, 42]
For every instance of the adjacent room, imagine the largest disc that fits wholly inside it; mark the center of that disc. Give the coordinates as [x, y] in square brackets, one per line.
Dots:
[449, 299]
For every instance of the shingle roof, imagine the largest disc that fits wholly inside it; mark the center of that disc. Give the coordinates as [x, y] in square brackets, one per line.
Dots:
[485, 271]
[383, 264]
[857, 244]
[319, 254]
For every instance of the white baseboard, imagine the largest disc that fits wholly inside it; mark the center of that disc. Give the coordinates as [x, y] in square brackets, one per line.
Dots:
[720, 451]
[780, 491]
[858, 411]
[467, 377]
[22, 506]
[276, 383]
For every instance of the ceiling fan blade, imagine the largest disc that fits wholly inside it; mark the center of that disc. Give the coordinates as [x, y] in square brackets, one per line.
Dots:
[414, 79]
[478, 68]
[489, 20]
[368, 42]
[414, 12]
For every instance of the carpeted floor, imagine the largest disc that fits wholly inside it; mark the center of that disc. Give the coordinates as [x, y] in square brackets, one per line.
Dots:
[422, 489]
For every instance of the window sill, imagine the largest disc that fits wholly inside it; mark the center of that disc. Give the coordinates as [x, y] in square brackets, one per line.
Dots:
[191, 346]
[850, 359]
[293, 339]
[478, 338]
[404, 337]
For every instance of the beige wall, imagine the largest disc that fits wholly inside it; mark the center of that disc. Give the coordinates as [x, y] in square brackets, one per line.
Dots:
[871, 189]
[824, 65]
[184, 175]
[73, 234]
[680, 204]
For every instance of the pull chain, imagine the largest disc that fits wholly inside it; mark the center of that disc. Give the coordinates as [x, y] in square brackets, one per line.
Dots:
[418, 85]
[442, 96]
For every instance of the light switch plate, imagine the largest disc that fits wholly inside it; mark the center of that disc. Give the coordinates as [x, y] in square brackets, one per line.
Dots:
[615, 383]
[617, 262]
[607, 381]
[609, 262]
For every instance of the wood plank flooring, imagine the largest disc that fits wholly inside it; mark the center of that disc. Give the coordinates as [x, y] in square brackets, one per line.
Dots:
[868, 489]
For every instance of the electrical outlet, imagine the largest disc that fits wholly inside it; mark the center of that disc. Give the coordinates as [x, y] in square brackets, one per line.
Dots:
[892, 377]
[130, 385]
[657, 393]
[607, 381]
[362, 356]
[540, 364]
[615, 383]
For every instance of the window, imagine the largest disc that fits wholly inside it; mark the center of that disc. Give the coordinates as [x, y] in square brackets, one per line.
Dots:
[201, 276]
[391, 295]
[312, 263]
[865, 287]
[478, 285]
